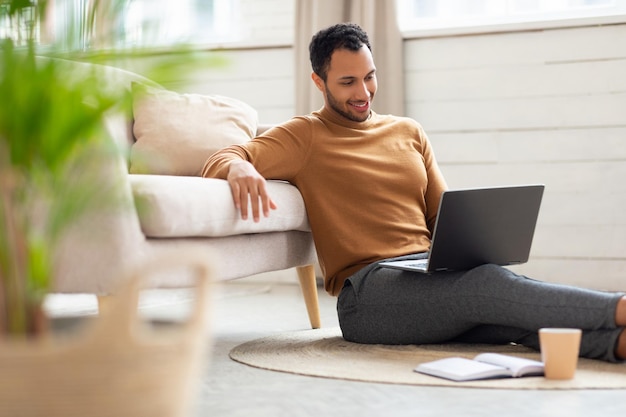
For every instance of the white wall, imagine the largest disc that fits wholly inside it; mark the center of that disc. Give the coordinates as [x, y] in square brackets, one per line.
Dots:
[545, 107]
[267, 20]
[263, 78]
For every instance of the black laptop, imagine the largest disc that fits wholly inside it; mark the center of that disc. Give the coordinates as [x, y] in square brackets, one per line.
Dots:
[480, 226]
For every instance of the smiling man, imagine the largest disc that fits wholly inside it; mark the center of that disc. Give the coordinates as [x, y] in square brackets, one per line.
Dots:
[371, 186]
[345, 160]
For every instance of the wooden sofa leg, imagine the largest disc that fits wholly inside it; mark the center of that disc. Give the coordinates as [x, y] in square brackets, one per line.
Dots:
[308, 284]
[103, 301]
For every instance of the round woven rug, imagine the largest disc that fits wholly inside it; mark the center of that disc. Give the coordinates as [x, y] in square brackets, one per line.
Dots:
[324, 353]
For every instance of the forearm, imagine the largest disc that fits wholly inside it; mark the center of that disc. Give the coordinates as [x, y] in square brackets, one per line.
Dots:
[218, 164]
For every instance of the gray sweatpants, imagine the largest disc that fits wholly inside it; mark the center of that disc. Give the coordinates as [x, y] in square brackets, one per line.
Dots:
[488, 304]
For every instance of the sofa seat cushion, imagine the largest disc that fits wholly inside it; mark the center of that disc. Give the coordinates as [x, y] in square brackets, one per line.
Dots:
[179, 206]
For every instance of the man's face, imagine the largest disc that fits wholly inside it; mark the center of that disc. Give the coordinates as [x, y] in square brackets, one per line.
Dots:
[350, 83]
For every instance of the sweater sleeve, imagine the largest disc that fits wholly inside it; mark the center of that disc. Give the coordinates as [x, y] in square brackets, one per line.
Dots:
[279, 153]
[217, 164]
[436, 181]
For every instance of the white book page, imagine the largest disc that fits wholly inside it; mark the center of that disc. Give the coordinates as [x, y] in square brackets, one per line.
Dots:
[518, 366]
[461, 369]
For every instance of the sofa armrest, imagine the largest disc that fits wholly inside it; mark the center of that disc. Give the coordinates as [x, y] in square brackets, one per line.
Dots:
[180, 206]
[101, 246]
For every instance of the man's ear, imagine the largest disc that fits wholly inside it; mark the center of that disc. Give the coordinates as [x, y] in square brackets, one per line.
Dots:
[319, 83]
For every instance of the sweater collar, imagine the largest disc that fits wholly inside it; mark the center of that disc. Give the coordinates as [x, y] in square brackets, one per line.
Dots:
[335, 118]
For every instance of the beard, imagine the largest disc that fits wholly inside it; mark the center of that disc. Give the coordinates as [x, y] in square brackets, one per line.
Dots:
[337, 107]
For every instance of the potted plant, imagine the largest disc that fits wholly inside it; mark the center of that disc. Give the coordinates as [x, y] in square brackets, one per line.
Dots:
[52, 141]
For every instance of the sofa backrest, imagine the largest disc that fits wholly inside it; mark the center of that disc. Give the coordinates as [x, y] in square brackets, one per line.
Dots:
[118, 121]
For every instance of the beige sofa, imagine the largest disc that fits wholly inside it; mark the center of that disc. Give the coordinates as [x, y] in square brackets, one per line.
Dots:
[167, 208]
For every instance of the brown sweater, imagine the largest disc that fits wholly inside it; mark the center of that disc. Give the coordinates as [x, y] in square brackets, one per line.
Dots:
[371, 188]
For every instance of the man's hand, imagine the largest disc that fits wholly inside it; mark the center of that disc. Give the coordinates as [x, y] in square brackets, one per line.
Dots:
[245, 181]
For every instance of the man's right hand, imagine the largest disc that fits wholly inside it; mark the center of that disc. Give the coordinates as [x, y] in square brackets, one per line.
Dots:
[249, 188]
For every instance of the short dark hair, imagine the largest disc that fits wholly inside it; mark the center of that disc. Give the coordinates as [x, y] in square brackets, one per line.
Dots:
[341, 36]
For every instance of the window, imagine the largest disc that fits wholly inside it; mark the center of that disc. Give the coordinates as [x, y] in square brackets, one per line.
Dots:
[158, 23]
[208, 22]
[438, 14]
[20, 26]
[64, 23]
[165, 22]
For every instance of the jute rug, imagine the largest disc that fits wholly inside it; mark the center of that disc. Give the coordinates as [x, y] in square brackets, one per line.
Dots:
[324, 353]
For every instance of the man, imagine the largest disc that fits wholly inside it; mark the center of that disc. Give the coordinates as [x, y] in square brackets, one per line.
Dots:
[371, 186]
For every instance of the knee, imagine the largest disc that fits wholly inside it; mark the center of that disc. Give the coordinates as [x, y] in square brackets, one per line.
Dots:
[489, 270]
[492, 274]
[493, 269]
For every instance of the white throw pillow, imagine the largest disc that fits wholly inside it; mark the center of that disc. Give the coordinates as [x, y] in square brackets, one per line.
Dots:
[176, 133]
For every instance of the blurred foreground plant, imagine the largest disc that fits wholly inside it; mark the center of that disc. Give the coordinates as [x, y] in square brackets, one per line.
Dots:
[49, 143]
[52, 141]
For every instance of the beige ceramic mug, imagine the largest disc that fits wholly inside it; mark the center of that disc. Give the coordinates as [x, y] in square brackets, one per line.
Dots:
[559, 351]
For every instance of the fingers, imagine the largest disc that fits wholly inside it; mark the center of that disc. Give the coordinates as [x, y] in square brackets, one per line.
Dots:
[249, 192]
[267, 204]
[254, 202]
[259, 201]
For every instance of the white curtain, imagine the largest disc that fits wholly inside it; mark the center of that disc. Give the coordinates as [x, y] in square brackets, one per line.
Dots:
[378, 19]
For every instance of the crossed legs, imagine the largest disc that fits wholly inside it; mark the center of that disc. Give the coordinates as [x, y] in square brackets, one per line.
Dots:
[488, 304]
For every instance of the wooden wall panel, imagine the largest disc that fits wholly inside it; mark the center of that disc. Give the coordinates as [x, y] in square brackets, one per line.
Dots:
[262, 78]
